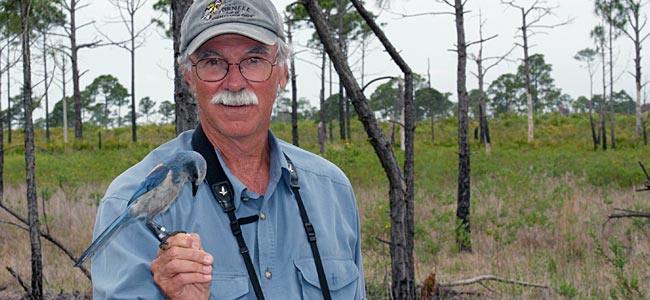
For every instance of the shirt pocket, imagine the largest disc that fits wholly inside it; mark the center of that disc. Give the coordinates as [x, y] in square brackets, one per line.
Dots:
[229, 286]
[342, 276]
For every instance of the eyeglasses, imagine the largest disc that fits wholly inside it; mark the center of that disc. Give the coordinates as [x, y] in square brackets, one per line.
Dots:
[254, 69]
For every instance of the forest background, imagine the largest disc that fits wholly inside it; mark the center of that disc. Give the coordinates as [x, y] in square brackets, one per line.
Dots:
[506, 229]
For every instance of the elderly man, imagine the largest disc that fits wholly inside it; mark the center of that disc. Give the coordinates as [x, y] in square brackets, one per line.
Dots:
[271, 221]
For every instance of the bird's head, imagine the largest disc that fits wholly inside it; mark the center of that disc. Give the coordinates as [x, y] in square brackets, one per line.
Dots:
[194, 167]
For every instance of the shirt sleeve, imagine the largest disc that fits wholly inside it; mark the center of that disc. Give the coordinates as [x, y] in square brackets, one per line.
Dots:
[121, 269]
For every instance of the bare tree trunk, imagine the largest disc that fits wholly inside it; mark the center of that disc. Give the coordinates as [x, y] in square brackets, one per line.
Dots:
[591, 114]
[529, 92]
[401, 186]
[187, 116]
[341, 41]
[603, 105]
[64, 101]
[47, 107]
[330, 113]
[294, 91]
[323, 121]
[134, 127]
[30, 164]
[76, 90]
[611, 87]
[463, 231]
[9, 116]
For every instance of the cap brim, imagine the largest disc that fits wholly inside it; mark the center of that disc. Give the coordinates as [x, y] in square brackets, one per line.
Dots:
[257, 33]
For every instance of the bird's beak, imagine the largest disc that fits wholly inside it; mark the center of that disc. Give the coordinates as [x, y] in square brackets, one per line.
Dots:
[195, 188]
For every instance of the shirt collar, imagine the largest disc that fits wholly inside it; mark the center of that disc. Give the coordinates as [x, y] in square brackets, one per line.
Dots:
[278, 172]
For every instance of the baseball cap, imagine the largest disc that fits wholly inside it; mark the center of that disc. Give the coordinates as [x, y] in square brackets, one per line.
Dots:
[205, 19]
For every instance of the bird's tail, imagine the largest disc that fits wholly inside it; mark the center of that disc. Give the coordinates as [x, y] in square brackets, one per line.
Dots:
[104, 237]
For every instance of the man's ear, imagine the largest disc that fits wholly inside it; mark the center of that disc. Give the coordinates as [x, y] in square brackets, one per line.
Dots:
[188, 79]
[284, 77]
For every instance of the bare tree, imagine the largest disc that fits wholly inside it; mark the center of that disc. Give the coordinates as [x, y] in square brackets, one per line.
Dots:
[401, 185]
[480, 75]
[294, 88]
[598, 34]
[632, 9]
[531, 20]
[127, 10]
[463, 230]
[587, 56]
[612, 13]
[30, 165]
[72, 6]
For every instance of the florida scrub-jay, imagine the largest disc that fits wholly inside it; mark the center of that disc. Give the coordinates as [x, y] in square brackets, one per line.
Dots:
[155, 194]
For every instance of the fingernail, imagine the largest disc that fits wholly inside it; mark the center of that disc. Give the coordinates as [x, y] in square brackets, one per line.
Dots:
[207, 259]
[207, 276]
[195, 244]
[207, 269]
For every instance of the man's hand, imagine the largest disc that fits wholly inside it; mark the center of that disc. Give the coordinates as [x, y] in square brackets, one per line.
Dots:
[183, 270]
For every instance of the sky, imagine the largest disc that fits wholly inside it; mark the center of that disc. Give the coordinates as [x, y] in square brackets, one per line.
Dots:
[419, 40]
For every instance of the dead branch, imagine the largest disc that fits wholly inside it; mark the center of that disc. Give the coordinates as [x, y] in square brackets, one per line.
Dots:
[482, 278]
[20, 281]
[46, 236]
[628, 214]
[382, 240]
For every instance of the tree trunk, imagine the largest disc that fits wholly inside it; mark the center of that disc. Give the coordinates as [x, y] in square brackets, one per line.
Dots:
[9, 116]
[187, 116]
[30, 165]
[529, 92]
[463, 232]
[294, 92]
[603, 105]
[483, 123]
[64, 102]
[47, 107]
[612, 132]
[401, 187]
[341, 41]
[323, 121]
[134, 126]
[76, 90]
[330, 113]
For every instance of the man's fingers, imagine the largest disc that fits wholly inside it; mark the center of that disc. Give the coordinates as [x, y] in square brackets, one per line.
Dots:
[183, 266]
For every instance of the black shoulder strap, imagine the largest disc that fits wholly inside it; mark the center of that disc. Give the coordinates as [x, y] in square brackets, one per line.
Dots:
[309, 229]
[222, 191]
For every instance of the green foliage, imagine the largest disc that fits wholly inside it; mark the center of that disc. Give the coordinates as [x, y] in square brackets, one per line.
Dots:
[566, 290]
[627, 283]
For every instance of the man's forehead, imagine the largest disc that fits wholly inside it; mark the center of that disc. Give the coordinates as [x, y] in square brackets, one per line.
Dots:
[219, 44]
[206, 52]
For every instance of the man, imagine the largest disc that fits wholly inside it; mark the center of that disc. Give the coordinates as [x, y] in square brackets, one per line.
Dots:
[233, 57]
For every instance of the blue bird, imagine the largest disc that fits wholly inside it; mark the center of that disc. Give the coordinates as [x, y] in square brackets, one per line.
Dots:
[155, 194]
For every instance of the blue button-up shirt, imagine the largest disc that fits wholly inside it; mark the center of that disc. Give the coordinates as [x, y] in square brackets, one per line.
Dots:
[278, 244]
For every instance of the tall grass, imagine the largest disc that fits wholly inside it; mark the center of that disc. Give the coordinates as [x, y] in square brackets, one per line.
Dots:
[537, 210]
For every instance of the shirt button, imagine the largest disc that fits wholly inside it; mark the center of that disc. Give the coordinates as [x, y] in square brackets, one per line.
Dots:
[245, 199]
[262, 216]
[268, 275]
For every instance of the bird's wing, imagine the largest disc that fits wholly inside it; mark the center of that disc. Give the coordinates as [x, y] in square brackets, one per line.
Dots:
[155, 177]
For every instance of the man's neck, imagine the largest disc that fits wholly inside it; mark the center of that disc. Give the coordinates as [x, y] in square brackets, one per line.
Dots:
[248, 158]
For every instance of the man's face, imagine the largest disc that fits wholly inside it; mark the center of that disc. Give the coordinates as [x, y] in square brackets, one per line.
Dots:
[236, 120]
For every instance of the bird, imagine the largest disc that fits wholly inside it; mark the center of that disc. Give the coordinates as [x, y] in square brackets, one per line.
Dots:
[155, 194]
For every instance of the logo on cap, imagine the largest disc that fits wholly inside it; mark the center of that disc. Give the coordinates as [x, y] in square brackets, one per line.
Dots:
[211, 9]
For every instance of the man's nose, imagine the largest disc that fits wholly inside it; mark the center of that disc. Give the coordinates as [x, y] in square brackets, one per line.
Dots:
[234, 80]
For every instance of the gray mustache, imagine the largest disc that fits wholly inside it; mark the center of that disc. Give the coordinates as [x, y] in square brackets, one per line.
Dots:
[243, 97]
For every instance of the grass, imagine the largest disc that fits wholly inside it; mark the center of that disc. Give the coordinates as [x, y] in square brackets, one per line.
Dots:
[537, 213]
